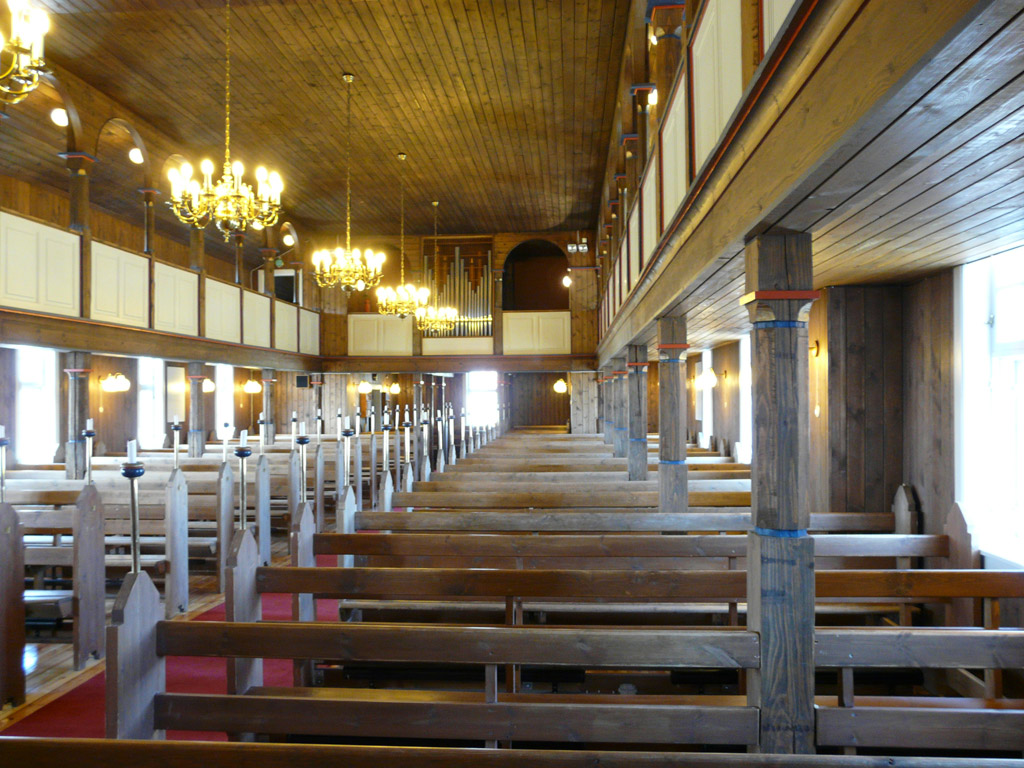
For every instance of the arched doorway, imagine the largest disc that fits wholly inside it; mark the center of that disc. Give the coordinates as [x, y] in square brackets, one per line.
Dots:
[532, 278]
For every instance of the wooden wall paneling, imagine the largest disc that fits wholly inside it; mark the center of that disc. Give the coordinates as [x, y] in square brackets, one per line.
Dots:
[115, 414]
[535, 402]
[928, 460]
[725, 359]
[584, 414]
[864, 421]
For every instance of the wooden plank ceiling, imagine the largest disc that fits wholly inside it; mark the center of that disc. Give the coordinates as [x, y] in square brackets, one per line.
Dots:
[504, 108]
[940, 185]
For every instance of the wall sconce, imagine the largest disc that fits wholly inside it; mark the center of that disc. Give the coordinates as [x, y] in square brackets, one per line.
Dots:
[708, 379]
[364, 388]
[561, 387]
[567, 281]
[394, 389]
[816, 348]
[115, 382]
[209, 386]
[252, 387]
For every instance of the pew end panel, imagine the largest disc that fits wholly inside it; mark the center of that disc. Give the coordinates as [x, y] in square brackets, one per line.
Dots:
[136, 671]
[176, 593]
[12, 607]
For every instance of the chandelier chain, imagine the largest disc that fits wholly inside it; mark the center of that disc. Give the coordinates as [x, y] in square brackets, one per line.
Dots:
[348, 169]
[401, 237]
[227, 83]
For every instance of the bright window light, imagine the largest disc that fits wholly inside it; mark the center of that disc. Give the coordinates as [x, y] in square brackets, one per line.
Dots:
[36, 405]
[482, 398]
[152, 418]
[224, 401]
[707, 410]
[991, 403]
[745, 447]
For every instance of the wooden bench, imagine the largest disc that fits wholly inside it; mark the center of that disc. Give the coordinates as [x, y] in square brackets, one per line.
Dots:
[81, 551]
[102, 753]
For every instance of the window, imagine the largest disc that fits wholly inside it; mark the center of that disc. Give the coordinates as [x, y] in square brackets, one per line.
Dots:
[36, 405]
[152, 417]
[224, 401]
[482, 398]
[990, 441]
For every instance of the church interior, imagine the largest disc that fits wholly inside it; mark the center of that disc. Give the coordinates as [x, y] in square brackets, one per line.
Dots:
[549, 383]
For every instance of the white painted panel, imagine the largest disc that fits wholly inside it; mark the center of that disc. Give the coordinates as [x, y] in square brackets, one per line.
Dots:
[176, 300]
[475, 345]
[286, 326]
[717, 74]
[309, 332]
[536, 333]
[375, 335]
[773, 12]
[255, 319]
[120, 281]
[223, 311]
[634, 247]
[135, 290]
[651, 233]
[674, 140]
[106, 291]
[553, 335]
[39, 267]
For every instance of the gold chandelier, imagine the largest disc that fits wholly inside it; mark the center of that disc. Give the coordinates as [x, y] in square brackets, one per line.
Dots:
[353, 270]
[406, 299]
[435, 318]
[230, 203]
[21, 57]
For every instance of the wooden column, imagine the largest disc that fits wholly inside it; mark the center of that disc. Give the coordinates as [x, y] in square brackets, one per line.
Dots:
[78, 367]
[196, 411]
[667, 25]
[149, 219]
[780, 555]
[607, 400]
[497, 332]
[673, 491]
[267, 378]
[636, 410]
[197, 263]
[79, 165]
[619, 421]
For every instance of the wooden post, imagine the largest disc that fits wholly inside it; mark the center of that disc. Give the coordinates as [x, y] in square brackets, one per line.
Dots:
[607, 423]
[176, 548]
[673, 490]
[357, 469]
[79, 366]
[619, 417]
[225, 519]
[780, 555]
[373, 470]
[417, 430]
[79, 164]
[636, 410]
[345, 521]
[318, 488]
[294, 482]
[196, 411]
[136, 673]
[263, 508]
[149, 219]
[12, 608]
[268, 380]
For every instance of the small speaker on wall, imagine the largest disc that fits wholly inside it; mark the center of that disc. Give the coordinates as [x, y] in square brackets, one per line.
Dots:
[302, 382]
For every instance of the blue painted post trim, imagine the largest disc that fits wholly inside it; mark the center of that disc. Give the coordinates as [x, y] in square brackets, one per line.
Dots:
[672, 461]
[780, 534]
[781, 324]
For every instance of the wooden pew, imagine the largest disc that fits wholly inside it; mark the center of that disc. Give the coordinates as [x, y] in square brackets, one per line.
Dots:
[83, 554]
[486, 715]
[102, 753]
[620, 500]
